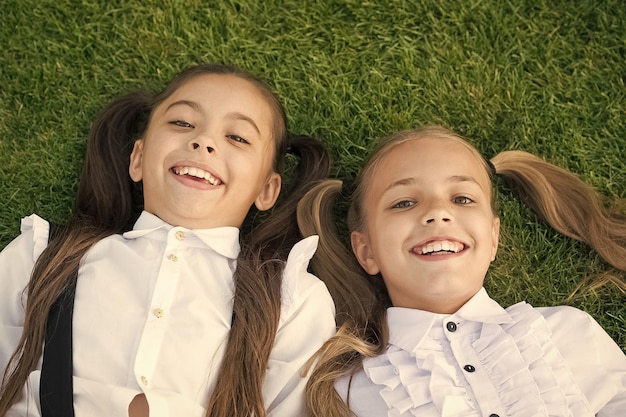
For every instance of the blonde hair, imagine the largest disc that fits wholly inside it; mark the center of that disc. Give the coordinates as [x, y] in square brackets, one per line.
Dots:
[548, 190]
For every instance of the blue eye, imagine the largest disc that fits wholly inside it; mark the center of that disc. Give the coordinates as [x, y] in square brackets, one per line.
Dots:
[182, 123]
[237, 138]
[462, 200]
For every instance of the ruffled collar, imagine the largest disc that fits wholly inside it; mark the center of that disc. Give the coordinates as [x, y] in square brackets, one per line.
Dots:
[408, 327]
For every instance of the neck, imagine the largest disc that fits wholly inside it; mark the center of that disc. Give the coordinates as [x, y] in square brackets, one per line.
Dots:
[439, 304]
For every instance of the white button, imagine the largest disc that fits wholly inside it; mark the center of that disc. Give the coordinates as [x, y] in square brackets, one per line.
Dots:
[172, 257]
[144, 380]
[158, 312]
[180, 235]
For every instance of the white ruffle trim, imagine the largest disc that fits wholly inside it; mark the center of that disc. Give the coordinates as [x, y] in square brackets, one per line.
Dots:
[40, 228]
[528, 372]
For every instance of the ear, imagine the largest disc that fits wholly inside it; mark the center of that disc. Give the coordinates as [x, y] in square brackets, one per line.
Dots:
[136, 158]
[363, 252]
[495, 235]
[269, 193]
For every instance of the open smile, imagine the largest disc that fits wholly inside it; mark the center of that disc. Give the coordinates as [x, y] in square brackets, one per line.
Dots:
[439, 247]
[197, 174]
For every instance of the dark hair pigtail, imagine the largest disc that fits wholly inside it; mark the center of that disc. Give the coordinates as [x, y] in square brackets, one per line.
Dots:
[280, 231]
[103, 207]
[105, 192]
[257, 302]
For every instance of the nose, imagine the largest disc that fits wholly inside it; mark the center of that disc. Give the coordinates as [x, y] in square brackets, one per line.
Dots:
[437, 213]
[196, 145]
[203, 140]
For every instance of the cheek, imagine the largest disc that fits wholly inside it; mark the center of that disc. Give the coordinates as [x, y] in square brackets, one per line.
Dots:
[257, 165]
[387, 235]
[152, 162]
[489, 237]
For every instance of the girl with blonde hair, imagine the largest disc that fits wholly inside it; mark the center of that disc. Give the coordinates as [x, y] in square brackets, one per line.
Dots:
[419, 334]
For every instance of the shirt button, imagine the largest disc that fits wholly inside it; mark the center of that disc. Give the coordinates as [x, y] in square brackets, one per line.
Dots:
[180, 235]
[144, 380]
[158, 313]
[172, 257]
[451, 326]
[469, 368]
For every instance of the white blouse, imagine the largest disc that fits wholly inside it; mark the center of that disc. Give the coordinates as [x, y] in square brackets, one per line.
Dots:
[486, 361]
[152, 314]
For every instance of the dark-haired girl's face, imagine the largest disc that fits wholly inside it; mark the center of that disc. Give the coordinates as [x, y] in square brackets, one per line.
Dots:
[207, 154]
[429, 227]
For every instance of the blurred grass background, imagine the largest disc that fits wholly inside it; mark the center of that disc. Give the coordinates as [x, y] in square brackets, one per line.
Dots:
[546, 76]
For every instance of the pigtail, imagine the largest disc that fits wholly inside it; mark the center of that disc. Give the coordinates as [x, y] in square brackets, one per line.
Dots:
[568, 204]
[333, 262]
[103, 207]
[256, 312]
[106, 193]
[362, 317]
[280, 230]
[257, 302]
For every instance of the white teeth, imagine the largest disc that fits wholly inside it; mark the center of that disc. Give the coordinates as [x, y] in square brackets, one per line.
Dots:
[440, 246]
[198, 173]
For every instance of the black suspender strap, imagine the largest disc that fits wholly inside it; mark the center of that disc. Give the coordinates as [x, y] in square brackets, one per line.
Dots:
[56, 390]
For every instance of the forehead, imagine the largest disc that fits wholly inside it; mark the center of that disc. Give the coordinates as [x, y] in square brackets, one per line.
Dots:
[218, 83]
[223, 91]
[428, 160]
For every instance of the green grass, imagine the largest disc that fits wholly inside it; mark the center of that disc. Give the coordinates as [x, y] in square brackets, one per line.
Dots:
[546, 76]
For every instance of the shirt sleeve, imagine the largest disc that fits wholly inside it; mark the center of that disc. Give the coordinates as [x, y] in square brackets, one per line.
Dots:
[598, 365]
[307, 321]
[16, 264]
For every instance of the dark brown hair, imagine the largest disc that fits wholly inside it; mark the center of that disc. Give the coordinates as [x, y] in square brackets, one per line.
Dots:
[108, 202]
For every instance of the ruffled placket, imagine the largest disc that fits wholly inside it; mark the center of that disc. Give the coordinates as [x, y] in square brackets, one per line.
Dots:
[515, 371]
[421, 382]
[526, 368]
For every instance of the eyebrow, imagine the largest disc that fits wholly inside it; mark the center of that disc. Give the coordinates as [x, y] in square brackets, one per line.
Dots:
[191, 104]
[412, 180]
[231, 116]
[241, 116]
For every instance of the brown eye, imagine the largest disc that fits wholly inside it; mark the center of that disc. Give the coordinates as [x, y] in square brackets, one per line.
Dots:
[182, 123]
[237, 138]
[403, 204]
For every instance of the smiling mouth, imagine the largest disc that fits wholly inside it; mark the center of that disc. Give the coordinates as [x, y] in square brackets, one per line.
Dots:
[197, 174]
[440, 247]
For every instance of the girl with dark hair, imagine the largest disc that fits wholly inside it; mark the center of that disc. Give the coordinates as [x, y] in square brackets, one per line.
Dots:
[420, 336]
[178, 316]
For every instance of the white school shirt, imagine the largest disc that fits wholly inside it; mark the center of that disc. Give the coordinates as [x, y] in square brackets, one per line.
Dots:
[152, 314]
[486, 361]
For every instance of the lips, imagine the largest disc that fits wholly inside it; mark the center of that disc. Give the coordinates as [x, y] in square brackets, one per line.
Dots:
[197, 174]
[439, 247]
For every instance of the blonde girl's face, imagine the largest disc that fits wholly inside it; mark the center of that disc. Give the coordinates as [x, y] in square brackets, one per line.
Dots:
[207, 155]
[429, 227]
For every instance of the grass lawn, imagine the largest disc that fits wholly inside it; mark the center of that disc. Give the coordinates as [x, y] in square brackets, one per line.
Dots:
[546, 76]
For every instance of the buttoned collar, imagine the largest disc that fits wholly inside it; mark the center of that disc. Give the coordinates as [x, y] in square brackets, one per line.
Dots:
[223, 240]
[408, 327]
